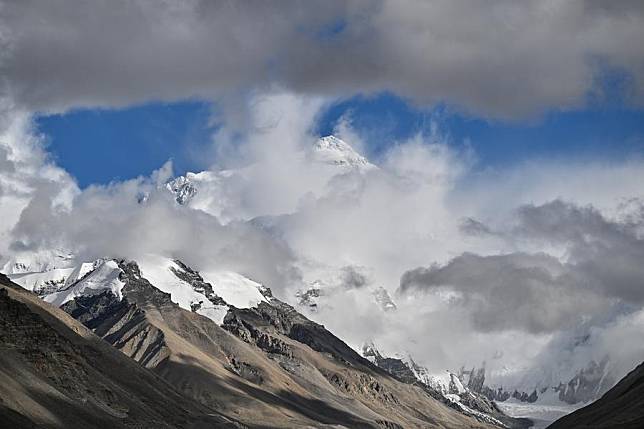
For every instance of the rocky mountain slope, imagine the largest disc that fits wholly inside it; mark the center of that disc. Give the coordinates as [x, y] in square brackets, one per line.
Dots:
[258, 362]
[55, 373]
[621, 407]
[449, 389]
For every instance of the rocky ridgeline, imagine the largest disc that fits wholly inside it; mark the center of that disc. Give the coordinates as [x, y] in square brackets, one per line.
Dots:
[587, 385]
[454, 394]
[176, 343]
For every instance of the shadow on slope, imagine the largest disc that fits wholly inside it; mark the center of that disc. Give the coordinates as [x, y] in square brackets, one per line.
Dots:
[621, 407]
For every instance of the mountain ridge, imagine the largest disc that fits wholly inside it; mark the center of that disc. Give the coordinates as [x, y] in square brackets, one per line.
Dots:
[56, 373]
[265, 363]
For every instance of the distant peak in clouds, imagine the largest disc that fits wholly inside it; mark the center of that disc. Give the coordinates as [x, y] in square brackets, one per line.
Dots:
[214, 191]
[332, 150]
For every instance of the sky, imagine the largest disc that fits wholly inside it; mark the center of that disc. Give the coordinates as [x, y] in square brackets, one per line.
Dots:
[500, 195]
[90, 143]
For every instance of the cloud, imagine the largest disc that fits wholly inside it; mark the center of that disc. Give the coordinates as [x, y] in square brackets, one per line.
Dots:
[354, 277]
[502, 59]
[28, 177]
[537, 292]
[532, 293]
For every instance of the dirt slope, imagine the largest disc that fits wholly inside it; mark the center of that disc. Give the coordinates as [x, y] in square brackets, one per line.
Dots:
[55, 373]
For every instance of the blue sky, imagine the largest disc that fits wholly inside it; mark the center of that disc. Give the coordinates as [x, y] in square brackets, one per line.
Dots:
[99, 146]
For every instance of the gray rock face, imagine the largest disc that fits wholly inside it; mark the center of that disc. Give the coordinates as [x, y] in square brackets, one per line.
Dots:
[182, 189]
[308, 298]
[395, 367]
[456, 396]
[122, 325]
[194, 279]
[587, 385]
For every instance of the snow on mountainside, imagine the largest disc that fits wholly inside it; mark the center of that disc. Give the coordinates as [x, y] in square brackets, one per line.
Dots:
[210, 295]
[46, 282]
[162, 273]
[44, 260]
[235, 289]
[332, 150]
[446, 387]
[105, 276]
[383, 299]
[444, 382]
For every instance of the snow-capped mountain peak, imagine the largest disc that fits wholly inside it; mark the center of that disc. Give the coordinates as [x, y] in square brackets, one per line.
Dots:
[210, 294]
[216, 192]
[103, 275]
[334, 151]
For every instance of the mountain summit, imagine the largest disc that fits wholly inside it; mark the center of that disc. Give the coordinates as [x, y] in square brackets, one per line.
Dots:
[220, 192]
[334, 151]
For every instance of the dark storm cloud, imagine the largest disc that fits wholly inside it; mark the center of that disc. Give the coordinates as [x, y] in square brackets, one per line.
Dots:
[501, 58]
[609, 253]
[538, 292]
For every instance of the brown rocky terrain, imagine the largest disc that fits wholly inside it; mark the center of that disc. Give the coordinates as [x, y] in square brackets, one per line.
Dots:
[267, 366]
[55, 373]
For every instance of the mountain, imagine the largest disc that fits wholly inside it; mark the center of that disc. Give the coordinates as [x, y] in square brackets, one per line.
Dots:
[56, 373]
[448, 389]
[621, 407]
[561, 383]
[224, 343]
[585, 385]
[334, 151]
[220, 192]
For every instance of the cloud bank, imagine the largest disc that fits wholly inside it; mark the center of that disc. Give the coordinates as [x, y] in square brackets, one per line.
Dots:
[538, 292]
[503, 59]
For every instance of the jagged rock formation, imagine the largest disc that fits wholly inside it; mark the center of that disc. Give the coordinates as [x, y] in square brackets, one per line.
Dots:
[588, 384]
[453, 394]
[308, 298]
[55, 373]
[621, 407]
[182, 188]
[396, 367]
